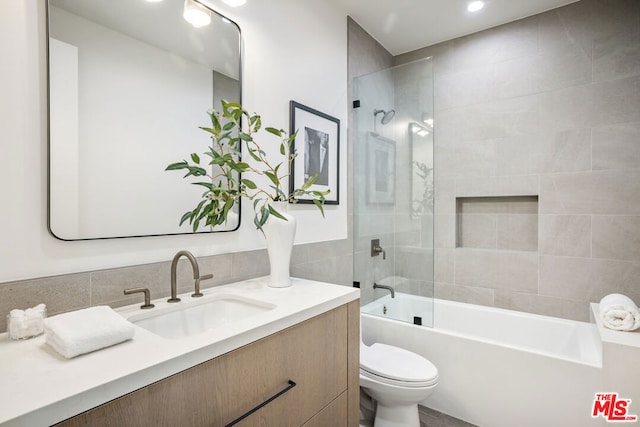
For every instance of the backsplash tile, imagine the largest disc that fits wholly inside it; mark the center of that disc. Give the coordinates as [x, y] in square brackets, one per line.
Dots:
[60, 294]
[327, 261]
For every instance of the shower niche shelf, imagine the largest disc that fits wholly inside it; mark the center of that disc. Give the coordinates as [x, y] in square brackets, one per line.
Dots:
[500, 223]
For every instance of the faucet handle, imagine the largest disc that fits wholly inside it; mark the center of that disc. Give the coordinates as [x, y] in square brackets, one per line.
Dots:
[197, 292]
[376, 249]
[147, 296]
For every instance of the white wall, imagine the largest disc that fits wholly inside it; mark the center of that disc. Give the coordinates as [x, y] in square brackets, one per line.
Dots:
[294, 49]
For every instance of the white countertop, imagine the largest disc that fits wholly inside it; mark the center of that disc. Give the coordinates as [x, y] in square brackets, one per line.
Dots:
[39, 387]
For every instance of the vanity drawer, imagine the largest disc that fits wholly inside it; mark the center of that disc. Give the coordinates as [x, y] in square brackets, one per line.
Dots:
[313, 354]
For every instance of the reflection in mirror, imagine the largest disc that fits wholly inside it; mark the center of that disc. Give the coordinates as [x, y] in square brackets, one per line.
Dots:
[421, 139]
[130, 82]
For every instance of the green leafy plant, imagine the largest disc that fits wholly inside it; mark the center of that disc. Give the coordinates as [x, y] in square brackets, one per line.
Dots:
[220, 175]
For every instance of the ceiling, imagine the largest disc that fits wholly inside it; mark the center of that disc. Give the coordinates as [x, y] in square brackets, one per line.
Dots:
[405, 25]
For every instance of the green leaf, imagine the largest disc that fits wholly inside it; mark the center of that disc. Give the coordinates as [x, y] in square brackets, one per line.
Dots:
[245, 137]
[226, 208]
[233, 105]
[250, 184]
[273, 178]
[261, 218]
[186, 216]
[318, 203]
[277, 214]
[206, 129]
[207, 185]
[274, 131]
[195, 158]
[215, 122]
[309, 182]
[196, 171]
[175, 166]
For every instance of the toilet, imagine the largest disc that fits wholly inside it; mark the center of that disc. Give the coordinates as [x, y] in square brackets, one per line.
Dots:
[398, 380]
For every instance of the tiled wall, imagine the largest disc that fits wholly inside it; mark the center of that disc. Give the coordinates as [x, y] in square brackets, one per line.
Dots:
[327, 261]
[546, 106]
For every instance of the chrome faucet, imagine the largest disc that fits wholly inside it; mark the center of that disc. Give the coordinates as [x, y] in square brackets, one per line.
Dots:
[389, 288]
[196, 275]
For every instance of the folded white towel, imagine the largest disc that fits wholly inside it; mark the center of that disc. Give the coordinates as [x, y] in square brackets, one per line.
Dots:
[86, 330]
[619, 312]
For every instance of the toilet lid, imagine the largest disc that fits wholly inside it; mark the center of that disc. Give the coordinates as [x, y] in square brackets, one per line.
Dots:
[397, 365]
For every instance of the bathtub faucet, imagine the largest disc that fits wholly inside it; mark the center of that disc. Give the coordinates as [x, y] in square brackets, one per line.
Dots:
[389, 288]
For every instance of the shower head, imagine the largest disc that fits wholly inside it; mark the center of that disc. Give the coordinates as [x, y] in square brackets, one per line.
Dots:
[387, 116]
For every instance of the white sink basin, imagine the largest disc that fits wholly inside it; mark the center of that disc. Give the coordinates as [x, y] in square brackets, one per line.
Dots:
[182, 320]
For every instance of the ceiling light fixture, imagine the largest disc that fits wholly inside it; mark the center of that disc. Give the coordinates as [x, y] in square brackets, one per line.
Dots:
[475, 6]
[235, 3]
[196, 14]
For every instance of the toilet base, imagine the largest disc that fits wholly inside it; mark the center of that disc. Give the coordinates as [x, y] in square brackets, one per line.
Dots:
[397, 416]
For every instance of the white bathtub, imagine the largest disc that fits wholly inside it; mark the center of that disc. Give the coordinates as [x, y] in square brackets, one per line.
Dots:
[497, 367]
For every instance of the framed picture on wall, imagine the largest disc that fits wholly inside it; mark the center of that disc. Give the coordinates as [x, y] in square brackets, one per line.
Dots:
[317, 148]
[381, 170]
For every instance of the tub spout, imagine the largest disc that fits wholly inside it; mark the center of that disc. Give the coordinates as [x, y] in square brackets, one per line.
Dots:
[389, 288]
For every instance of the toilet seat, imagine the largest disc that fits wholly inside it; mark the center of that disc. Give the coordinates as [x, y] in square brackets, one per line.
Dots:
[396, 366]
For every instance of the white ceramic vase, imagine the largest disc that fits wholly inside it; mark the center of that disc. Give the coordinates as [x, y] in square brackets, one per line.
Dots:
[280, 235]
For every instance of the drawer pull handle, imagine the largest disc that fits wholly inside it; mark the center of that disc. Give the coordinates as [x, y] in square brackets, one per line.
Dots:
[266, 402]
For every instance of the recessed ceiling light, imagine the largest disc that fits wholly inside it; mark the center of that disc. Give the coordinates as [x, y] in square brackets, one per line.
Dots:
[235, 3]
[475, 6]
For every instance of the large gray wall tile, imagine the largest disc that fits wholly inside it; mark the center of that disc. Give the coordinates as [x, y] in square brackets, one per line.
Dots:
[497, 269]
[467, 294]
[544, 305]
[512, 40]
[616, 146]
[617, 56]
[613, 192]
[616, 237]
[569, 278]
[565, 235]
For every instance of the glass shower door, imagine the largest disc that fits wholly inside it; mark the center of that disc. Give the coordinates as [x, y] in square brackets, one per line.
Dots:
[393, 192]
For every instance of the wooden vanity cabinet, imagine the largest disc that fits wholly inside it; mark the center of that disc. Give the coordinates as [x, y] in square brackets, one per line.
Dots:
[321, 355]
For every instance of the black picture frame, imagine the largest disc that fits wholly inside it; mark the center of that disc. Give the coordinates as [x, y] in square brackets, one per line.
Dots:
[317, 148]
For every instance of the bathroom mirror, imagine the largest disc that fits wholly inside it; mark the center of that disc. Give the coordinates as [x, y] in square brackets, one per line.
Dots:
[130, 82]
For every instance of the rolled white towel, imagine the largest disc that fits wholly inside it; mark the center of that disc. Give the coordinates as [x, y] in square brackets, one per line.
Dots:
[619, 312]
[86, 330]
